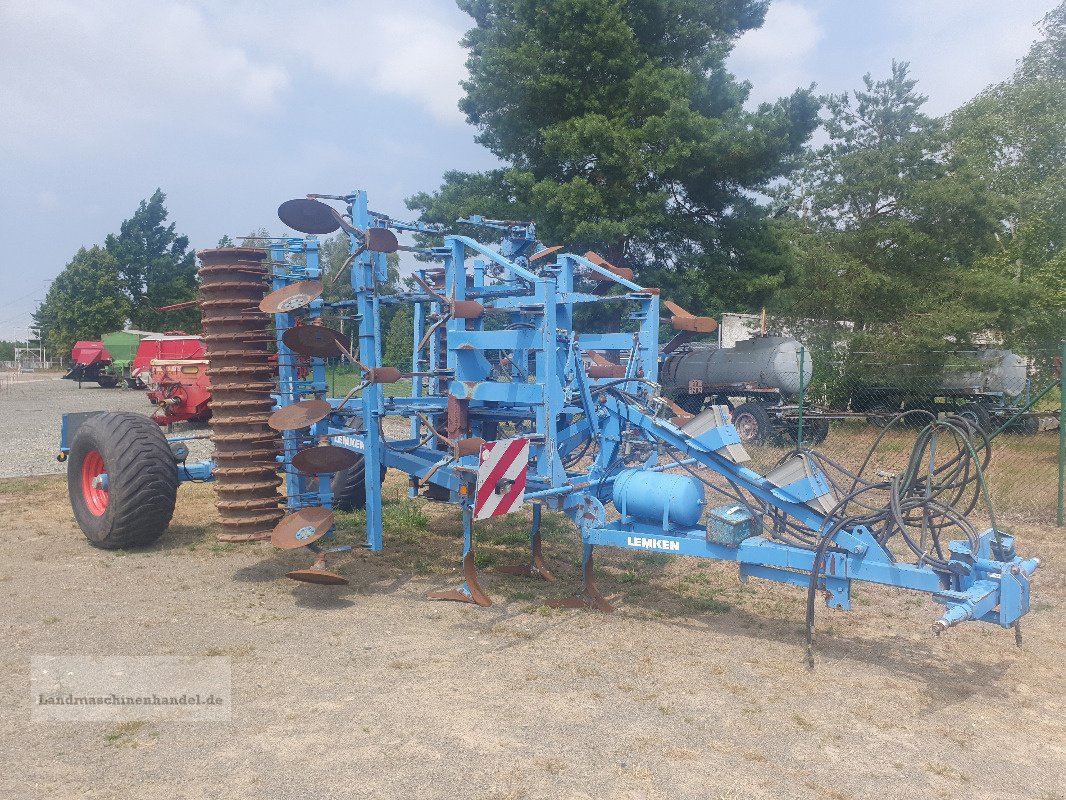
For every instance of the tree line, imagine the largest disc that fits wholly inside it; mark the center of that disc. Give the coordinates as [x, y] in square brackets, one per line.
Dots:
[124, 283]
[621, 130]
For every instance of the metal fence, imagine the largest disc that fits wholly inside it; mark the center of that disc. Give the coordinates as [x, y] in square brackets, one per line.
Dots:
[864, 411]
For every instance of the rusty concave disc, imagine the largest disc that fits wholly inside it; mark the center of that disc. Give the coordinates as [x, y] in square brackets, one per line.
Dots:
[315, 340]
[317, 460]
[381, 240]
[299, 415]
[291, 297]
[308, 216]
[302, 528]
[320, 576]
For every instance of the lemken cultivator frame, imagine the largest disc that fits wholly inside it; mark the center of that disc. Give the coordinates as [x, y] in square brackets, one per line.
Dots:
[511, 405]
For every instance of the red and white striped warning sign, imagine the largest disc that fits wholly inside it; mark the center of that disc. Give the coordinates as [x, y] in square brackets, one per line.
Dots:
[501, 477]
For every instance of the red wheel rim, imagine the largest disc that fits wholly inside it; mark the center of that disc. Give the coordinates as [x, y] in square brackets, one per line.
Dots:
[95, 497]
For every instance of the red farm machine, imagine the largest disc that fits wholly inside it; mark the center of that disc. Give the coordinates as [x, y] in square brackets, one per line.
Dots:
[171, 365]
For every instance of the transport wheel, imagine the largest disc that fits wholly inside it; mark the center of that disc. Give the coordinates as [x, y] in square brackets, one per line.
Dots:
[349, 487]
[977, 414]
[122, 480]
[752, 422]
[107, 381]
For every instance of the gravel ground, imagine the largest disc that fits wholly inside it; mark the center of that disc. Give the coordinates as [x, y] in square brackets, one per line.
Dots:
[697, 688]
[31, 412]
[372, 691]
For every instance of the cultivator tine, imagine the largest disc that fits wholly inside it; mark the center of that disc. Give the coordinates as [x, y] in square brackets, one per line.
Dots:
[547, 251]
[469, 592]
[590, 596]
[536, 568]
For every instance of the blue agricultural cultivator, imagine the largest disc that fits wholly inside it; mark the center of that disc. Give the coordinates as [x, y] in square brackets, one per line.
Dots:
[511, 405]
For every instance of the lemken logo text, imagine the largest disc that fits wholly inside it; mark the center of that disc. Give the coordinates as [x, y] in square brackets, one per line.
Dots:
[653, 544]
[348, 441]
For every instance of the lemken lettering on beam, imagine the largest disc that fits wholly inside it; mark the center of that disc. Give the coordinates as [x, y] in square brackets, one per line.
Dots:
[653, 544]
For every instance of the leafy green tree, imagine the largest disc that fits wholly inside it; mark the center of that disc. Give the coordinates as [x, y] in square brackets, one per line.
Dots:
[399, 340]
[156, 267]
[624, 133]
[85, 301]
[891, 230]
[1013, 133]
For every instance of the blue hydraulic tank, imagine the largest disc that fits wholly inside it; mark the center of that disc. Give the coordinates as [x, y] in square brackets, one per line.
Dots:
[657, 497]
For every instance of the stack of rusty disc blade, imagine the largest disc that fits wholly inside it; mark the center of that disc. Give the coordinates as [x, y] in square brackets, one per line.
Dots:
[236, 332]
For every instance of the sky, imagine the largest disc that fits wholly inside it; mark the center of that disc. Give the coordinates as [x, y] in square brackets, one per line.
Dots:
[231, 108]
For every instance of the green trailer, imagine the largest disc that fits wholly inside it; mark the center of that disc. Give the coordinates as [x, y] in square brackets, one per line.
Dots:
[122, 347]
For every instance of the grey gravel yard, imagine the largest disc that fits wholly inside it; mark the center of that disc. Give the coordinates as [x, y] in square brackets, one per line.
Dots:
[31, 412]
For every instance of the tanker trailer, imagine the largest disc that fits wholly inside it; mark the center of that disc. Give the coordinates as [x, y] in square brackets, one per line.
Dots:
[762, 373]
[988, 387]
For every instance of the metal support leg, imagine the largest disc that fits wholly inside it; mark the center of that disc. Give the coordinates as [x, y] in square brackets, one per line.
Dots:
[470, 591]
[590, 596]
[536, 568]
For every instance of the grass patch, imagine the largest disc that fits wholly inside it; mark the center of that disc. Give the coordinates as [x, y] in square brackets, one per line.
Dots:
[123, 733]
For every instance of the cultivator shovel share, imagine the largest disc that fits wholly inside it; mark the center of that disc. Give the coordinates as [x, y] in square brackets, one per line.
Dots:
[511, 407]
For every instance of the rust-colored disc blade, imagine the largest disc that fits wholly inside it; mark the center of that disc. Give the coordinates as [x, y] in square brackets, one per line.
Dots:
[317, 460]
[299, 415]
[302, 528]
[381, 240]
[308, 216]
[320, 576]
[291, 297]
[547, 251]
[315, 340]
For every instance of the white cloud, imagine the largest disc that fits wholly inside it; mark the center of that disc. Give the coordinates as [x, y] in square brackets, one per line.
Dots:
[408, 50]
[80, 73]
[776, 57]
[958, 47]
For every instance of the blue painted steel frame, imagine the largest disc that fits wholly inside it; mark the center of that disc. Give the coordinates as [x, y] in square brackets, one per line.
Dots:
[560, 408]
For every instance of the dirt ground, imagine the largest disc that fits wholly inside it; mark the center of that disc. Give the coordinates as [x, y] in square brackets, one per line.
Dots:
[696, 688]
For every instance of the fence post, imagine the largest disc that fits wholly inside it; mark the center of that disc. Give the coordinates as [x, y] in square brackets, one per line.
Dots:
[799, 423]
[1062, 430]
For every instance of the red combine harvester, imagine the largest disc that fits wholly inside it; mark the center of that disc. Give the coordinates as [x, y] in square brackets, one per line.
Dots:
[174, 368]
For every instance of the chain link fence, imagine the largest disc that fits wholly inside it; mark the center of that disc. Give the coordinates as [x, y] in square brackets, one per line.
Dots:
[863, 410]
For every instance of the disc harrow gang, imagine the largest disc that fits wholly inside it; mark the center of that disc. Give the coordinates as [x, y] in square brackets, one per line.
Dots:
[232, 285]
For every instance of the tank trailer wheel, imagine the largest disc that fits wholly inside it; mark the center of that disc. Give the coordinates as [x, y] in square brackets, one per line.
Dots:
[752, 422]
[977, 414]
[122, 480]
